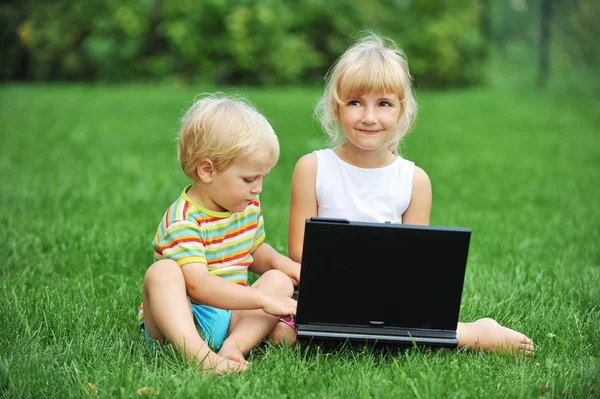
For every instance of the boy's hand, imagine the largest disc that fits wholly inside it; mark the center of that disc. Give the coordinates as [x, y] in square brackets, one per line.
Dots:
[279, 305]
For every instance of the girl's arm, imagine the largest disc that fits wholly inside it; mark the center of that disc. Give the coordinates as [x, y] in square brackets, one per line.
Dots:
[267, 258]
[215, 291]
[419, 209]
[303, 204]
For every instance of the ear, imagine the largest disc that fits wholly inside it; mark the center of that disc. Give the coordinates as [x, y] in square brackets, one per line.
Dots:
[205, 170]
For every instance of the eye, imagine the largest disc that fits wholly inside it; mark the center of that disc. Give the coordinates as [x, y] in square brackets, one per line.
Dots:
[249, 179]
[386, 104]
[353, 103]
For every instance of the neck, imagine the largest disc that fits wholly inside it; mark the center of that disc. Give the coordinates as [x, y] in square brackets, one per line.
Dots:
[368, 159]
[198, 194]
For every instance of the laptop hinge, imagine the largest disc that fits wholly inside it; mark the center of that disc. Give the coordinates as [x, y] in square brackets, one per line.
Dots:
[380, 334]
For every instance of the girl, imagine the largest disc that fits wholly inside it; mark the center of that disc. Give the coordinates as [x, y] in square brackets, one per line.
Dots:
[367, 108]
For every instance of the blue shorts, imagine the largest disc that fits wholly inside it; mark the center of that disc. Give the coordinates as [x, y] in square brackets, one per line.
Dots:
[212, 324]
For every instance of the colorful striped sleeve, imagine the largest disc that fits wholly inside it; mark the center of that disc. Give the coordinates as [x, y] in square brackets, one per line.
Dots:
[182, 242]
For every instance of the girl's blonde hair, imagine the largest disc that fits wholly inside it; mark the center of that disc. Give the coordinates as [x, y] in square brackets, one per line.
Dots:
[222, 128]
[374, 64]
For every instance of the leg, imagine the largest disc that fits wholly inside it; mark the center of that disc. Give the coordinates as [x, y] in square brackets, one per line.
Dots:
[488, 335]
[249, 327]
[282, 333]
[167, 316]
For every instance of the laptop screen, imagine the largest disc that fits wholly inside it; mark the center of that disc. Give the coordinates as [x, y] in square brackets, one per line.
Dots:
[361, 274]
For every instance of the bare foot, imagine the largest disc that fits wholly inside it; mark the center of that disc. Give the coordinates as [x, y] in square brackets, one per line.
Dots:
[283, 333]
[233, 353]
[216, 364]
[488, 335]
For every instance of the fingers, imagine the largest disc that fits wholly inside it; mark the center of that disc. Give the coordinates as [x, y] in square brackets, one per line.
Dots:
[292, 306]
[291, 311]
[281, 306]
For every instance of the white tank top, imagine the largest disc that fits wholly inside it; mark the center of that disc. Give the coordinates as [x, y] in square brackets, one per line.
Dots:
[366, 195]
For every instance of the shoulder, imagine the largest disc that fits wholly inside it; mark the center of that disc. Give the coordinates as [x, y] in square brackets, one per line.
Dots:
[419, 208]
[421, 182]
[307, 164]
[307, 160]
[184, 215]
[420, 176]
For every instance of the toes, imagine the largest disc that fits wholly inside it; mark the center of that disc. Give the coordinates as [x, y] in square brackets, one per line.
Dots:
[234, 357]
[525, 339]
[529, 349]
[241, 367]
[238, 358]
[232, 365]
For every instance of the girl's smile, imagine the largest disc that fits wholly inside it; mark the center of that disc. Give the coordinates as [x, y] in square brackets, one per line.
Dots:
[370, 120]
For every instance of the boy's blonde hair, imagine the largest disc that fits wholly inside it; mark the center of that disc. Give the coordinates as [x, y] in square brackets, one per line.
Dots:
[374, 64]
[222, 128]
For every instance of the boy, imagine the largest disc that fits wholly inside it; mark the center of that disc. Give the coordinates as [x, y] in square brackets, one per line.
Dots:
[196, 295]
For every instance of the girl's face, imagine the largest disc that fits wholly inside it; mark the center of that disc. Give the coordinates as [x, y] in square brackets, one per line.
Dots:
[369, 120]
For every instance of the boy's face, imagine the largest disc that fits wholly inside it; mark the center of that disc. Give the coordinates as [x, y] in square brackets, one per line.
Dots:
[234, 188]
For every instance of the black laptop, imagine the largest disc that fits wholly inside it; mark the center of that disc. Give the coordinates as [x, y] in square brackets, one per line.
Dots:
[381, 283]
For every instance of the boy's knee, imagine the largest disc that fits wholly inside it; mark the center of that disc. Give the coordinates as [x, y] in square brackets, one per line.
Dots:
[163, 271]
[278, 282]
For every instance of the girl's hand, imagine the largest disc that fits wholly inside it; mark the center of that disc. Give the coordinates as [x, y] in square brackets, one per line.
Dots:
[279, 305]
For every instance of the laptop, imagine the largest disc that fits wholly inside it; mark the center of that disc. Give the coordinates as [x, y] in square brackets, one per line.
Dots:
[381, 283]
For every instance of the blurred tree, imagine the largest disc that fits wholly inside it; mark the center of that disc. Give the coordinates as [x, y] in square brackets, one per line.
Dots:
[13, 36]
[443, 41]
[257, 41]
[544, 53]
[156, 43]
[486, 19]
[518, 26]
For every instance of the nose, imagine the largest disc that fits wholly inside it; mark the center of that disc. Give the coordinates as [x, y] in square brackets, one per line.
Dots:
[257, 188]
[369, 117]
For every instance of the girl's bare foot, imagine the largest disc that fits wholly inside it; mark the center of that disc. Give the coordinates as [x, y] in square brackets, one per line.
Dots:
[217, 364]
[488, 335]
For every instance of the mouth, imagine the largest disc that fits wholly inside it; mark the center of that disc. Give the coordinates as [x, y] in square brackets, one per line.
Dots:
[368, 132]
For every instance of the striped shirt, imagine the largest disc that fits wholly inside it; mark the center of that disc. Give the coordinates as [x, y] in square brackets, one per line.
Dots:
[223, 241]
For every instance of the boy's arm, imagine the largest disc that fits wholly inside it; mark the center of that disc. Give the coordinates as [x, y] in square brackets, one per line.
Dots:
[303, 203]
[419, 209]
[215, 291]
[267, 258]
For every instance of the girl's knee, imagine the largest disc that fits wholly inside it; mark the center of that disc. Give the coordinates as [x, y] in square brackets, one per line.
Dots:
[282, 333]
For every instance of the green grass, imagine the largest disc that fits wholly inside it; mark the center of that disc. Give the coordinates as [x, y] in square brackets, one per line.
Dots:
[87, 172]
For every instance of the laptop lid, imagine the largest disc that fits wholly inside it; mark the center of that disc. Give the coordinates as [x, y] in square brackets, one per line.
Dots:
[391, 276]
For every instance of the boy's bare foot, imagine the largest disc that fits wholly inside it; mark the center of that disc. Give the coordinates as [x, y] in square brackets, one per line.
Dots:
[217, 364]
[233, 353]
[488, 334]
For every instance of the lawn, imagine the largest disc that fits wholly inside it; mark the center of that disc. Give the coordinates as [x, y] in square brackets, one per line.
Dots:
[88, 171]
